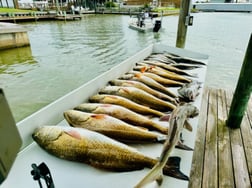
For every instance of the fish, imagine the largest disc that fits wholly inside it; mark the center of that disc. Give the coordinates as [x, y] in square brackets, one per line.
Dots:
[177, 123]
[180, 59]
[123, 114]
[101, 152]
[161, 58]
[111, 127]
[148, 81]
[161, 72]
[139, 96]
[164, 81]
[189, 91]
[122, 101]
[174, 67]
[140, 85]
[185, 66]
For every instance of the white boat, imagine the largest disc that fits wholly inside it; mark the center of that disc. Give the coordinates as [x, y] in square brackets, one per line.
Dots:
[72, 174]
[145, 23]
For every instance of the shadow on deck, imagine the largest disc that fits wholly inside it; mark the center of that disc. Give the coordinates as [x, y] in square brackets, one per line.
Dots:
[222, 156]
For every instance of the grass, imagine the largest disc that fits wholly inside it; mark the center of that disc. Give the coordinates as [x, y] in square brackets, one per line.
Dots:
[4, 10]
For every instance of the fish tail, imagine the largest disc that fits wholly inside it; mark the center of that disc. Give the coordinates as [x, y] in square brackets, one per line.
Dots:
[172, 169]
[155, 174]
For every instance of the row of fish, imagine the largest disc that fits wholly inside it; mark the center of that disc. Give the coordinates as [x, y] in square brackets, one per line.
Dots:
[119, 114]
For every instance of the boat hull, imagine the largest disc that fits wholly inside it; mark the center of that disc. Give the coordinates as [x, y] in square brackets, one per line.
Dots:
[67, 173]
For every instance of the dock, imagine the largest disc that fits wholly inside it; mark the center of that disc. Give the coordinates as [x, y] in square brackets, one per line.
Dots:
[222, 156]
[13, 36]
[35, 16]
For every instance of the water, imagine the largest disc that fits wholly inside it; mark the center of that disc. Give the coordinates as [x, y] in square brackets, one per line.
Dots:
[63, 55]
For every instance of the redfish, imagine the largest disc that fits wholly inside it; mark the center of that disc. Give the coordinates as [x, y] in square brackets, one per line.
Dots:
[164, 81]
[140, 85]
[122, 101]
[111, 127]
[161, 72]
[97, 150]
[148, 81]
[123, 114]
[139, 96]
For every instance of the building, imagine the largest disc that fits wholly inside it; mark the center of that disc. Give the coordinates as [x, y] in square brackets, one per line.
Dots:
[8, 3]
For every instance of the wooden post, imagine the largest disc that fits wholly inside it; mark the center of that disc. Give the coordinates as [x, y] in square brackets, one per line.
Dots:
[242, 91]
[182, 27]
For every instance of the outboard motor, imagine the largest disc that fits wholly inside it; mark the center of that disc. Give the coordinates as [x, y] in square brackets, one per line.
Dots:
[157, 26]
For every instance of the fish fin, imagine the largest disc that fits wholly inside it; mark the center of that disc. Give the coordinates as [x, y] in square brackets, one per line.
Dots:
[98, 116]
[182, 146]
[188, 126]
[161, 138]
[155, 174]
[172, 168]
[73, 133]
[138, 75]
[143, 69]
[165, 117]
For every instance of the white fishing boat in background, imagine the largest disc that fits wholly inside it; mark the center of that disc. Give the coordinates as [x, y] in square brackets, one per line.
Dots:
[73, 174]
[144, 22]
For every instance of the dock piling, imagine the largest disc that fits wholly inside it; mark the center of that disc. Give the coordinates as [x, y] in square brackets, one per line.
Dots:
[182, 26]
[242, 91]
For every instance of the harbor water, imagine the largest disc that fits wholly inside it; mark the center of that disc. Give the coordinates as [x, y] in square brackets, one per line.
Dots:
[65, 55]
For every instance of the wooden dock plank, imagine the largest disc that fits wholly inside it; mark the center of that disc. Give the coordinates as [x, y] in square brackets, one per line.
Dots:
[239, 160]
[225, 166]
[222, 156]
[199, 148]
[249, 111]
[210, 173]
[246, 133]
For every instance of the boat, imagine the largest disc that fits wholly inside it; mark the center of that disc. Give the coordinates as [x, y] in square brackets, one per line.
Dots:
[145, 23]
[72, 174]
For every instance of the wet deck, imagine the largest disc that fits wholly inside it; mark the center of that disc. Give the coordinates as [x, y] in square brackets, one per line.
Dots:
[222, 156]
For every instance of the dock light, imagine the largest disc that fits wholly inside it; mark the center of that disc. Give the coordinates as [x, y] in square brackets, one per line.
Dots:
[189, 20]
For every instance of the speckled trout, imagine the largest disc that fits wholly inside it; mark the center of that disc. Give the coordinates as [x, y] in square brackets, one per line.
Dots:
[180, 59]
[123, 114]
[148, 81]
[177, 123]
[122, 101]
[111, 127]
[139, 96]
[140, 85]
[97, 150]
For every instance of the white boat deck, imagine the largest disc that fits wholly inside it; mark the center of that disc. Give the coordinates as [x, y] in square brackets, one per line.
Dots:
[72, 174]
